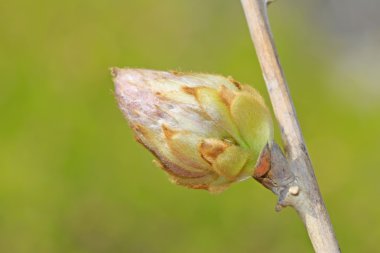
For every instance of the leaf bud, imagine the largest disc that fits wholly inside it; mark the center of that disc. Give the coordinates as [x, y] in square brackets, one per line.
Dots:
[206, 131]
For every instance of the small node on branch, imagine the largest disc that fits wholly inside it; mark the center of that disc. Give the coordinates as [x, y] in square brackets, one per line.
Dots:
[294, 190]
[278, 175]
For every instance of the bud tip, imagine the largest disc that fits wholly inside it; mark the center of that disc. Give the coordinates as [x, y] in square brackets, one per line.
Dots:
[114, 71]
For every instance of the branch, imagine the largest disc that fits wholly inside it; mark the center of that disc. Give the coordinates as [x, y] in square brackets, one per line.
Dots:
[291, 178]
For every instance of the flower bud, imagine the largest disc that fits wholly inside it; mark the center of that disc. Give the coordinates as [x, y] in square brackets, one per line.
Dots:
[206, 131]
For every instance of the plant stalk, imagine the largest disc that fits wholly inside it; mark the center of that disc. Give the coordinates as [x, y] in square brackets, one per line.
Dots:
[297, 187]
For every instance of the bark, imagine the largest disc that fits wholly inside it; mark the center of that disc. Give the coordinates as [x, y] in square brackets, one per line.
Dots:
[291, 176]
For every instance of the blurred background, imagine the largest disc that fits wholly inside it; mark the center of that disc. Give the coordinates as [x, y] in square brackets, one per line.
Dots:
[72, 178]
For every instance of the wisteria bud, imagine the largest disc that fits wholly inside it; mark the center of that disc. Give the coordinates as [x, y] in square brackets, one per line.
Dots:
[206, 131]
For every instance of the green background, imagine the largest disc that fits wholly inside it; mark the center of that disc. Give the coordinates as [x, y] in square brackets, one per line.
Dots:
[72, 179]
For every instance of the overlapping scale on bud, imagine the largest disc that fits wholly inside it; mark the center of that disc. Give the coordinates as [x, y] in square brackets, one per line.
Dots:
[206, 131]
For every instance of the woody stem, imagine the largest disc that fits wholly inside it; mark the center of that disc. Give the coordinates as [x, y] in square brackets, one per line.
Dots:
[302, 192]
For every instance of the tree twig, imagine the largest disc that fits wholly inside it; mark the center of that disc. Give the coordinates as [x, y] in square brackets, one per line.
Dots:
[292, 177]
